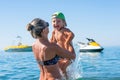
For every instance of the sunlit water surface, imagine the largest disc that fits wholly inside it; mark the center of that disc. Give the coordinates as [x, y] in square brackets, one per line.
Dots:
[103, 65]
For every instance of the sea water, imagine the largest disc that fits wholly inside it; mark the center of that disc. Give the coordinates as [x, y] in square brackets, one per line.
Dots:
[103, 65]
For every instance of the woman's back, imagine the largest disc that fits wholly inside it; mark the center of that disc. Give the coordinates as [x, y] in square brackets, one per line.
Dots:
[47, 59]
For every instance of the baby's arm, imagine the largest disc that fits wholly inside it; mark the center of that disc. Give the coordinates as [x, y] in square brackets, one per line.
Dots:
[69, 37]
[53, 38]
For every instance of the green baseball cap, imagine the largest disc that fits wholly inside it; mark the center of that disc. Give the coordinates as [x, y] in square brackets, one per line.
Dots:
[59, 15]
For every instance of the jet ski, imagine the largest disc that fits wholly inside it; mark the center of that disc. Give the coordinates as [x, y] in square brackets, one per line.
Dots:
[91, 46]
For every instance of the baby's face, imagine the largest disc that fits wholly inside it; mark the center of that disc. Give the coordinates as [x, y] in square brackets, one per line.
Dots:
[57, 23]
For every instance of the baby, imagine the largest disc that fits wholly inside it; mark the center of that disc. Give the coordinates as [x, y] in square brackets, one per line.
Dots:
[63, 37]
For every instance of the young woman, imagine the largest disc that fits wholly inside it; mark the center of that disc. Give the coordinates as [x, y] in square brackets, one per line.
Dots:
[47, 54]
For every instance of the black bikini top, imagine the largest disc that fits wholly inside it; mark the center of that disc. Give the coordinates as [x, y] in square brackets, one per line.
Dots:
[49, 62]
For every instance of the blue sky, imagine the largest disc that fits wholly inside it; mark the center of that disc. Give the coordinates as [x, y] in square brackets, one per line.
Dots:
[97, 19]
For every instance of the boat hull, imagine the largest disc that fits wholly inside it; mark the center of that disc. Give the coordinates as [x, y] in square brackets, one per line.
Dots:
[91, 50]
[27, 49]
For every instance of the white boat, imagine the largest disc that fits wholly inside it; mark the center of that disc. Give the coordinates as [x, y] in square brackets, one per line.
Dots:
[91, 46]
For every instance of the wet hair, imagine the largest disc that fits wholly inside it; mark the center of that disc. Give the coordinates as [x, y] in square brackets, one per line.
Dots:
[36, 26]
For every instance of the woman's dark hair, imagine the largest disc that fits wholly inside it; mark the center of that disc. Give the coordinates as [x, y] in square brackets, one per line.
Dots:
[36, 27]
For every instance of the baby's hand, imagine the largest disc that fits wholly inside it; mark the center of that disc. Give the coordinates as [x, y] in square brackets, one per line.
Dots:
[66, 46]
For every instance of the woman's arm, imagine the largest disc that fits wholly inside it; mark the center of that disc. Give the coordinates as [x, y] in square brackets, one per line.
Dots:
[64, 53]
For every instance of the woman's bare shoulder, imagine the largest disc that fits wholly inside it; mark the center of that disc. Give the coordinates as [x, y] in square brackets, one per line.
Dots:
[35, 44]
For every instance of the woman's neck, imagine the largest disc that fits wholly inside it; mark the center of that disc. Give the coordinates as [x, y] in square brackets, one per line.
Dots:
[43, 40]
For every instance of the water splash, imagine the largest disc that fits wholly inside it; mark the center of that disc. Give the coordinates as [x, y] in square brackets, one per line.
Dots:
[75, 69]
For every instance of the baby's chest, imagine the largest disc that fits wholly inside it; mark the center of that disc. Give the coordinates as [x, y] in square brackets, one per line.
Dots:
[60, 36]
